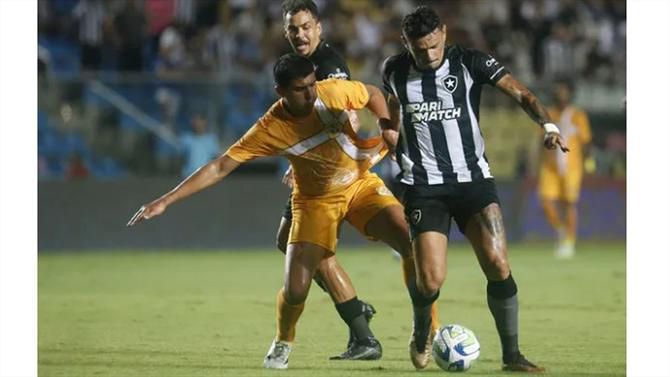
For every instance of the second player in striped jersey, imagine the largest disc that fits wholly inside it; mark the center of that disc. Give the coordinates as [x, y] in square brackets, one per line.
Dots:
[303, 31]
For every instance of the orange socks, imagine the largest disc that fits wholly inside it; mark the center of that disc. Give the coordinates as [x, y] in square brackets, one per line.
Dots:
[287, 317]
[435, 322]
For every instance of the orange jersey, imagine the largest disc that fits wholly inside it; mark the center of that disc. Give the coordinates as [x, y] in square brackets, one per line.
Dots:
[324, 151]
[576, 131]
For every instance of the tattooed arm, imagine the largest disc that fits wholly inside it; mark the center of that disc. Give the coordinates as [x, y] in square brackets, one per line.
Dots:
[534, 108]
[528, 101]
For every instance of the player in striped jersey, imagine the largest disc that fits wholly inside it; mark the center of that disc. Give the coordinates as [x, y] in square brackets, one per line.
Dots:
[434, 92]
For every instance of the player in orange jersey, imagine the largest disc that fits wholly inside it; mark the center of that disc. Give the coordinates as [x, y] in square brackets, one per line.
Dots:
[302, 28]
[560, 173]
[309, 125]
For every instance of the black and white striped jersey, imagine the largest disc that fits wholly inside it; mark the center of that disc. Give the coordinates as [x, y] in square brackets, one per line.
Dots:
[440, 141]
[329, 63]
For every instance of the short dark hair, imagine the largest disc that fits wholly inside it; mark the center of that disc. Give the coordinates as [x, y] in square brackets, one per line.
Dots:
[421, 22]
[295, 6]
[290, 67]
[568, 82]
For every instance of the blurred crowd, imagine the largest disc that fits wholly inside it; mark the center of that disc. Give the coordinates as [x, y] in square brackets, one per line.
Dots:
[189, 47]
[537, 39]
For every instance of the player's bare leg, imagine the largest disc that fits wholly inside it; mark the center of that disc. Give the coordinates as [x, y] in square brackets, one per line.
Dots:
[390, 226]
[551, 213]
[336, 280]
[337, 284]
[282, 241]
[430, 251]
[300, 265]
[486, 233]
[571, 220]
[567, 248]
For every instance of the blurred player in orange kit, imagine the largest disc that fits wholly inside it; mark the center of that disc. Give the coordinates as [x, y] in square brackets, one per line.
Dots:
[561, 173]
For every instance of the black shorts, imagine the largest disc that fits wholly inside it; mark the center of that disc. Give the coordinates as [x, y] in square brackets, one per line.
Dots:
[433, 211]
[288, 212]
[396, 187]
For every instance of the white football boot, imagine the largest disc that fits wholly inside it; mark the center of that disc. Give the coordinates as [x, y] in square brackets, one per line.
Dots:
[277, 357]
[566, 250]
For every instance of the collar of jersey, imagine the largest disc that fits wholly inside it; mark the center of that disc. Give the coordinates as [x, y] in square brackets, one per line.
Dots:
[318, 47]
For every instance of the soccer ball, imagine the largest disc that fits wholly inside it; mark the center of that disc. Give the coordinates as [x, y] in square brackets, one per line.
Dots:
[455, 348]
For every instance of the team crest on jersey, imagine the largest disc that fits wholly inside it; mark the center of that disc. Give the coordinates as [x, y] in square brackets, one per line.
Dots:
[450, 83]
[415, 216]
[333, 130]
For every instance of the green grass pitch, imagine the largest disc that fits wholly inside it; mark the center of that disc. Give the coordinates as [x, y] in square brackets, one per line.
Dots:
[210, 313]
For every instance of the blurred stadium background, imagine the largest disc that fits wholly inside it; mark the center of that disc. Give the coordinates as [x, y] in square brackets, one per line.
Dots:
[121, 81]
[121, 85]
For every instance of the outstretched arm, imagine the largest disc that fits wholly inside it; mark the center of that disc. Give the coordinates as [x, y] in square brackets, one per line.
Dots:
[534, 108]
[204, 177]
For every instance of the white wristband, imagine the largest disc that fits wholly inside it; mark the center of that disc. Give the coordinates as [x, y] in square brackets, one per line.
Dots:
[550, 127]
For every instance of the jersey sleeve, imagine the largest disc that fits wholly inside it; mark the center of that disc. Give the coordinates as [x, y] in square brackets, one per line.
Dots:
[485, 68]
[256, 142]
[329, 64]
[333, 70]
[343, 95]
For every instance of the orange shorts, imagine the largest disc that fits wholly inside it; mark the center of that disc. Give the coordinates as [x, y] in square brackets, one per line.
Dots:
[554, 186]
[317, 219]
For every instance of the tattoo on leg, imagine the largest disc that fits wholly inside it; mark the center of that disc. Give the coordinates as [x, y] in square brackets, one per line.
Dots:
[492, 219]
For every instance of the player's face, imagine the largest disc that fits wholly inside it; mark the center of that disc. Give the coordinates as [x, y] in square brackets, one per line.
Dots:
[428, 50]
[562, 94]
[300, 95]
[303, 32]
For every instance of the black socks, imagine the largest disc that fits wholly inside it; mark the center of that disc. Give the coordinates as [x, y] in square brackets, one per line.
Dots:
[422, 306]
[352, 313]
[504, 306]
